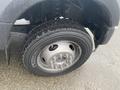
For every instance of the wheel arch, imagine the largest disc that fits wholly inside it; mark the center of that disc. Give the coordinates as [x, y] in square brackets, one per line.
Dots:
[80, 11]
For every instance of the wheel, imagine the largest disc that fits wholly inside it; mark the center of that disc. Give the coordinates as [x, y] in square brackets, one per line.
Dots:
[57, 49]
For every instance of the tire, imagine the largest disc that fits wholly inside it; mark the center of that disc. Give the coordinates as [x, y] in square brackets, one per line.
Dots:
[44, 35]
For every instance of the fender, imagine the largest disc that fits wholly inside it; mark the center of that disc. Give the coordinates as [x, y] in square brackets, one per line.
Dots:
[114, 9]
[9, 12]
[12, 9]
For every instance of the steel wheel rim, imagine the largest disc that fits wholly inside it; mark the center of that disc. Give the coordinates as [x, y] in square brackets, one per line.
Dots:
[59, 56]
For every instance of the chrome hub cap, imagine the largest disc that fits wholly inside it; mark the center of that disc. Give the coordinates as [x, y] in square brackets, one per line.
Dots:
[59, 56]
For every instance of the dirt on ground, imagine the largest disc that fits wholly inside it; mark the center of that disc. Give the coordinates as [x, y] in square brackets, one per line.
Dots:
[100, 72]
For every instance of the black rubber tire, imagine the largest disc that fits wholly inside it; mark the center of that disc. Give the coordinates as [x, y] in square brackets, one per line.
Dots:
[40, 37]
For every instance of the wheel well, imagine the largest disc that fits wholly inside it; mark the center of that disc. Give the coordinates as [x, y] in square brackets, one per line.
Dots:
[88, 13]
